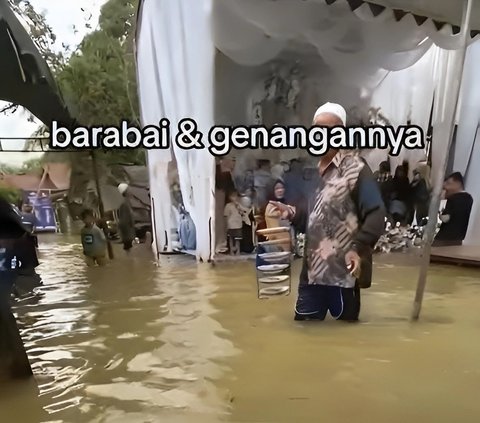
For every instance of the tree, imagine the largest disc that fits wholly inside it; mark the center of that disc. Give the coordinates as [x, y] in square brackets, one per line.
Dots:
[33, 165]
[97, 80]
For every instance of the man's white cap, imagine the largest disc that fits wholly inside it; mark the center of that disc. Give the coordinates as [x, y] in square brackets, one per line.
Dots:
[334, 109]
[122, 188]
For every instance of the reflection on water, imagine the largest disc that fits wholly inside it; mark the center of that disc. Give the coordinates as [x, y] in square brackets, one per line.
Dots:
[187, 343]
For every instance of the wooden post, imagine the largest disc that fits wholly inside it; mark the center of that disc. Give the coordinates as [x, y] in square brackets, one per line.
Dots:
[437, 189]
[100, 202]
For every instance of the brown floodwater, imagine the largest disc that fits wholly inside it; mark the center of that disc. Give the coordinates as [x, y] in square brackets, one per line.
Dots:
[182, 342]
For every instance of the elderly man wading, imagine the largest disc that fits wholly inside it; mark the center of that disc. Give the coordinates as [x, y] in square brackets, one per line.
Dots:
[344, 216]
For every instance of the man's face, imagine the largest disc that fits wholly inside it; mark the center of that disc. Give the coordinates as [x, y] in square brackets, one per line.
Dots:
[330, 120]
[88, 220]
[451, 187]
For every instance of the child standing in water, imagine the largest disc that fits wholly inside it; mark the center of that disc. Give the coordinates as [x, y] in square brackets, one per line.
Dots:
[234, 214]
[93, 241]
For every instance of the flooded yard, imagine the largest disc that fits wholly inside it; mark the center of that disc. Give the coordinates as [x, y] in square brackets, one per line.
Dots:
[185, 343]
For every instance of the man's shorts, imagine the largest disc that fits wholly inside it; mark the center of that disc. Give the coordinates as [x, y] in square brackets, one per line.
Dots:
[314, 301]
[100, 260]
[235, 234]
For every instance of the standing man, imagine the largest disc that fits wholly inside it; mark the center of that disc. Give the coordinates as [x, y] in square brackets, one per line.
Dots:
[126, 222]
[344, 217]
[456, 214]
[28, 217]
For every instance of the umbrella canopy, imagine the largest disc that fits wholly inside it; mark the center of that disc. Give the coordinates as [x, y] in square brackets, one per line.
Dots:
[25, 77]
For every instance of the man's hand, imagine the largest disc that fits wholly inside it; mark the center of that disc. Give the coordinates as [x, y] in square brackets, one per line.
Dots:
[352, 260]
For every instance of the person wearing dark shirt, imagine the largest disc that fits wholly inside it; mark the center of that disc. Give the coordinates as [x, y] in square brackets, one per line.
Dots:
[126, 220]
[421, 192]
[385, 182]
[401, 198]
[17, 251]
[456, 214]
[28, 217]
[343, 218]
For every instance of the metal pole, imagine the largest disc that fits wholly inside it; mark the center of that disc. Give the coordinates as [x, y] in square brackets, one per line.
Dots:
[437, 190]
[100, 202]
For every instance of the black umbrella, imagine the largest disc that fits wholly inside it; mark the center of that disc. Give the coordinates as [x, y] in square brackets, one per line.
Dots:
[25, 77]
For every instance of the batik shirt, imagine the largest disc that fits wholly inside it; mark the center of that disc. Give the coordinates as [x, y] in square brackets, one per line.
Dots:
[333, 223]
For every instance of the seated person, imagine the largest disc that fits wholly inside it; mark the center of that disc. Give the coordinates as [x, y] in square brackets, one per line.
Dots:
[273, 218]
[456, 214]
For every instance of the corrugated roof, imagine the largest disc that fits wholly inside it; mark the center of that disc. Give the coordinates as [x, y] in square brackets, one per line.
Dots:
[28, 182]
[59, 174]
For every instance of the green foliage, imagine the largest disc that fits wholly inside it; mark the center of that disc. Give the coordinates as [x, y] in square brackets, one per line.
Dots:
[124, 157]
[29, 166]
[98, 78]
[33, 165]
[8, 169]
[98, 81]
[12, 195]
[40, 31]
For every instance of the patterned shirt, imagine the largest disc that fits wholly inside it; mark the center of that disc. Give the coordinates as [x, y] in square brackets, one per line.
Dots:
[333, 222]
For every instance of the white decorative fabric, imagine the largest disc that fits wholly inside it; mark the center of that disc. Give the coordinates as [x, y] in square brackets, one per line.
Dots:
[467, 145]
[152, 110]
[175, 56]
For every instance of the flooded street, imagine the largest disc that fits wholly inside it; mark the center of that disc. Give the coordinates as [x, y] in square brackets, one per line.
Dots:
[185, 343]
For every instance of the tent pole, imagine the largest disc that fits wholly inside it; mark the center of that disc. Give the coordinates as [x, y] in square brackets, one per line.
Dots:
[437, 189]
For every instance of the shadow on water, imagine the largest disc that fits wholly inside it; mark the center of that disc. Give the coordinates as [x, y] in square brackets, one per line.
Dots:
[185, 343]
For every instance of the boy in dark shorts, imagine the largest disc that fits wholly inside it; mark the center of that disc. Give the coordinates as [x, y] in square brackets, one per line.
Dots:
[93, 241]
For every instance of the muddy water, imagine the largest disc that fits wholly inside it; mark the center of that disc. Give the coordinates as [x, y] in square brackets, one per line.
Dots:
[185, 343]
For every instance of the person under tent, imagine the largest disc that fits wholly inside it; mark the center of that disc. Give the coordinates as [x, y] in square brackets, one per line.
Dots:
[455, 216]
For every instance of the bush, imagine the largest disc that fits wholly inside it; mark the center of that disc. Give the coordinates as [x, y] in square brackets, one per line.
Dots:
[12, 195]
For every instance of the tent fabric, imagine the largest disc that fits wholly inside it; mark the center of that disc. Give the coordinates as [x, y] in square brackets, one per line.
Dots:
[253, 32]
[399, 60]
[467, 146]
[28, 182]
[175, 55]
[440, 10]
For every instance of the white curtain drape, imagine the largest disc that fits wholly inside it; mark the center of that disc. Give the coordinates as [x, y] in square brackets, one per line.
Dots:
[467, 145]
[152, 110]
[180, 53]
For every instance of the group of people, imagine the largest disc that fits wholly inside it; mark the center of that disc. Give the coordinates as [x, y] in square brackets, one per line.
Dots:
[404, 199]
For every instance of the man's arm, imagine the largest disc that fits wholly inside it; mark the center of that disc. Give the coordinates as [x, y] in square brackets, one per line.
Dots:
[446, 213]
[371, 211]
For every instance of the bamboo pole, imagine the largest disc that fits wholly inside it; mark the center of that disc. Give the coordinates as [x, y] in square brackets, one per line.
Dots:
[437, 189]
[100, 202]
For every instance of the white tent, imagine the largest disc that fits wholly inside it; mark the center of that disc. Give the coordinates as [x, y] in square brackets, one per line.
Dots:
[209, 59]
